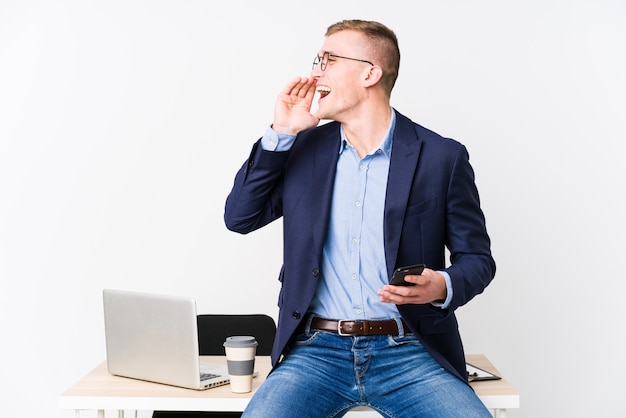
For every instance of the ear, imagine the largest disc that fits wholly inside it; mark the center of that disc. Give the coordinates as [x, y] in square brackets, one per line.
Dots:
[372, 76]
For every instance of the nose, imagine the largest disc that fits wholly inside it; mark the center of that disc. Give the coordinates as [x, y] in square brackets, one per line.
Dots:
[315, 71]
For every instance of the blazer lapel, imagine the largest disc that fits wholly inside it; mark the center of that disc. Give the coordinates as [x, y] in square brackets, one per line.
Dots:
[404, 155]
[325, 159]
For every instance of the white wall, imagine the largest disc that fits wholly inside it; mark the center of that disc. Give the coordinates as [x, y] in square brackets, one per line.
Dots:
[122, 124]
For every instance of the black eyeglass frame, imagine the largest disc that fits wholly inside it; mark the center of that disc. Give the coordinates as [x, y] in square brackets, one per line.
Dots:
[323, 60]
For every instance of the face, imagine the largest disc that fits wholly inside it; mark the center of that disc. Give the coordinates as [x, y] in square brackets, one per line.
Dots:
[339, 86]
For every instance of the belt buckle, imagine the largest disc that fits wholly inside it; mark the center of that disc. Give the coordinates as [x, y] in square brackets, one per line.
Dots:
[339, 323]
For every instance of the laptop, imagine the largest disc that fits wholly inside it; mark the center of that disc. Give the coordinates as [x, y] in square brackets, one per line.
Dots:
[155, 338]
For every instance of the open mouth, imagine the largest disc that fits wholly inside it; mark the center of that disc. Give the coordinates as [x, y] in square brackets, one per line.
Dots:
[323, 91]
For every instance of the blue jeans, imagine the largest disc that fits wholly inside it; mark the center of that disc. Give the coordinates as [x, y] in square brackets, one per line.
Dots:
[326, 375]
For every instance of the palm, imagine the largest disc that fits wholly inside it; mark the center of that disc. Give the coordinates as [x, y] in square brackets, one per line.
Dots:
[292, 112]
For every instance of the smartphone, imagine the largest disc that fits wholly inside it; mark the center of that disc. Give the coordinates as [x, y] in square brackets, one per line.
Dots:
[398, 275]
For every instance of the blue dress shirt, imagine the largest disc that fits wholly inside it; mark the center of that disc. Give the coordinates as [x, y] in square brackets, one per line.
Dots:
[353, 262]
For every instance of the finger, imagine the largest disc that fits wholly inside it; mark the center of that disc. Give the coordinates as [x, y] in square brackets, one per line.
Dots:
[398, 300]
[418, 279]
[385, 297]
[390, 293]
[399, 290]
[306, 88]
[293, 87]
[298, 86]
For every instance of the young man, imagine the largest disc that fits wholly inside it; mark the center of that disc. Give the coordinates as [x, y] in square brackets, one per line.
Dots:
[360, 196]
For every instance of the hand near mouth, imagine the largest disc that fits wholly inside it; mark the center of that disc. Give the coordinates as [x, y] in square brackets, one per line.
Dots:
[292, 112]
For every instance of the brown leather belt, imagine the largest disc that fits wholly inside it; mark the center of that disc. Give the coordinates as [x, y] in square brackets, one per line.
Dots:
[349, 327]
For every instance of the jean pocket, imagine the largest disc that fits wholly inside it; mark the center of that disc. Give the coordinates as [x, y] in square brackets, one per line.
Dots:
[406, 339]
[306, 338]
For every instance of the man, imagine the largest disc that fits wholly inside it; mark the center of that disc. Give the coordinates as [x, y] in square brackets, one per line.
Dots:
[360, 196]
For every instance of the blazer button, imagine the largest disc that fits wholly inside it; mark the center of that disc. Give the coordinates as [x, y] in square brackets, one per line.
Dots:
[315, 272]
[295, 315]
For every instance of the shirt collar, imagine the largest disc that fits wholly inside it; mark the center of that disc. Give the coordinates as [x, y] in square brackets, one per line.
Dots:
[385, 145]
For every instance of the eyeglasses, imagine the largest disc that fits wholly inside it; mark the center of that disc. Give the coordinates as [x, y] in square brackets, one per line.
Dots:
[323, 60]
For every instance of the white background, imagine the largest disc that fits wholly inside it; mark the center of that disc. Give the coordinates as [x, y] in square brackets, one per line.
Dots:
[122, 124]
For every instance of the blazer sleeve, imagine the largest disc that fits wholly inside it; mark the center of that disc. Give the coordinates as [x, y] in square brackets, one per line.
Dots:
[472, 265]
[255, 199]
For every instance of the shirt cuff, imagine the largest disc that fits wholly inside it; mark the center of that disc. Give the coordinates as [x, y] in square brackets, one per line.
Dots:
[273, 141]
[446, 302]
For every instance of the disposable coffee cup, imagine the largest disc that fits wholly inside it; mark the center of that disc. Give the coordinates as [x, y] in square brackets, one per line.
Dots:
[240, 355]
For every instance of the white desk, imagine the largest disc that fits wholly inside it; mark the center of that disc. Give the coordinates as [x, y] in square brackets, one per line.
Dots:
[100, 391]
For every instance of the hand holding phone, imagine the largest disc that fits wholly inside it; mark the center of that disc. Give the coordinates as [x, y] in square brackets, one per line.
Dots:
[398, 275]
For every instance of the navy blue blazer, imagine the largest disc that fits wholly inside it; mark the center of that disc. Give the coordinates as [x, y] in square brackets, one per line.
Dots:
[431, 202]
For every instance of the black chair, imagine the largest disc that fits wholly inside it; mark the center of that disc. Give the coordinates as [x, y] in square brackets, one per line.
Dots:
[213, 329]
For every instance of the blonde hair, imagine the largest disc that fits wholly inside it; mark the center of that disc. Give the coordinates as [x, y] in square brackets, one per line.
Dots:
[384, 45]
